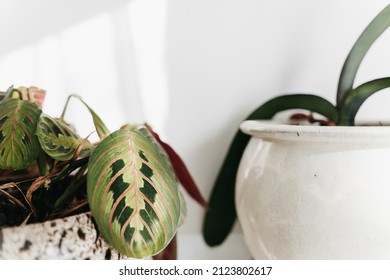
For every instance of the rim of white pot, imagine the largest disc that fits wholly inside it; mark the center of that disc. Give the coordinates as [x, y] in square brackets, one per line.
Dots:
[270, 129]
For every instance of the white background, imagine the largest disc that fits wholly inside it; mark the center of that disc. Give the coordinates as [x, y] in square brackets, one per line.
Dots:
[280, 270]
[192, 69]
[198, 269]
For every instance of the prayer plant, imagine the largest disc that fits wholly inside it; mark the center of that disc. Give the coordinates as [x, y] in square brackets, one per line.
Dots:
[221, 215]
[129, 179]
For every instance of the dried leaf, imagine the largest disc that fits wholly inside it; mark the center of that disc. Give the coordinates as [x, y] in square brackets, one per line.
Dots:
[34, 186]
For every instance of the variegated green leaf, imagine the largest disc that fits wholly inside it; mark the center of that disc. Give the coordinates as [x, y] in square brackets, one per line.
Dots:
[59, 140]
[19, 146]
[133, 193]
[183, 209]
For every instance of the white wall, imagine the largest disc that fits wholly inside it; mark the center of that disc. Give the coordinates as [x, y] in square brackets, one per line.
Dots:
[192, 69]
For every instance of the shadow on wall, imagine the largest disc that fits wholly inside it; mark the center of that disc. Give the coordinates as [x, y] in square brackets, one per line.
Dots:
[66, 47]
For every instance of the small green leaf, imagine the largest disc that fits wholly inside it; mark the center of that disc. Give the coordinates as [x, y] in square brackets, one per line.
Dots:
[221, 216]
[59, 140]
[6, 95]
[351, 65]
[355, 98]
[19, 147]
[101, 128]
[133, 193]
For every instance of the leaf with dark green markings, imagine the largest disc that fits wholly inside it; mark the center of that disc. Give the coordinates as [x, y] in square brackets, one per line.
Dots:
[19, 146]
[221, 215]
[133, 193]
[59, 140]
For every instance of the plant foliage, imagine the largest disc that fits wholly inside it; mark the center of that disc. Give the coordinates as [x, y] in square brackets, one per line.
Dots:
[133, 193]
[19, 145]
[221, 216]
[126, 179]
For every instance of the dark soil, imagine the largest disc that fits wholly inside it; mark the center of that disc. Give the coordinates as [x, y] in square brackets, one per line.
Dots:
[13, 214]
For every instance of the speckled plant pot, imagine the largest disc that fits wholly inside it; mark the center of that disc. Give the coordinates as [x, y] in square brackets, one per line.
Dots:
[74, 237]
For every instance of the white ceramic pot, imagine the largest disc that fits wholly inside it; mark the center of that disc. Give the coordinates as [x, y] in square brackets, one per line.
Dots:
[74, 237]
[311, 192]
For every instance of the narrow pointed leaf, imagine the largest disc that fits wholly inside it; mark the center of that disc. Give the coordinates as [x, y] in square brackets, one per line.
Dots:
[101, 128]
[355, 99]
[59, 140]
[351, 65]
[19, 147]
[133, 193]
[181, 171]
[221, 213]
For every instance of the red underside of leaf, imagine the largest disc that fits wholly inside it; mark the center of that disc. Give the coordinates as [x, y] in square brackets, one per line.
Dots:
[169, 253]
[181, 171]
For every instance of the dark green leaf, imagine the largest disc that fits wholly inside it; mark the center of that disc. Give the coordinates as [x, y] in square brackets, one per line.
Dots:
[347, 77]
[355, 98]
[220, 218]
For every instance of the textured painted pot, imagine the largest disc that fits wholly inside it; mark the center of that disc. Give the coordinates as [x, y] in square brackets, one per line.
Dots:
[310, 192]
[74, 237]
